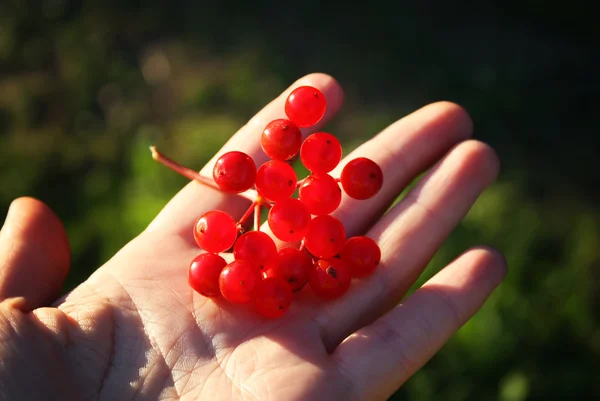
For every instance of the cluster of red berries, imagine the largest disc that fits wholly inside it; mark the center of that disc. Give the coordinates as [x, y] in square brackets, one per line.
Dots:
[326, 259]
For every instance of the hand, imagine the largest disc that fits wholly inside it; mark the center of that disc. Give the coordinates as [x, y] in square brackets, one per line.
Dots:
[136, 330]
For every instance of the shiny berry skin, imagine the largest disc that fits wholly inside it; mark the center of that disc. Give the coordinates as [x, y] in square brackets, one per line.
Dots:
[330, 278]
[215, 231]
[204, 272]
[238, 281]
[320, 193]
[305, 106]
[325, 236]
[276, 180]
[256, 247]
[361, 178]
[321, 152]
[273, 297]
[288, 219]
[292, 265]
[362, 255]
[281, 139]
[234, 172]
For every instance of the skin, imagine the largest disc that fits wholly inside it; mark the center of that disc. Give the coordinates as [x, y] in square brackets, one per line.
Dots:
[135, 330]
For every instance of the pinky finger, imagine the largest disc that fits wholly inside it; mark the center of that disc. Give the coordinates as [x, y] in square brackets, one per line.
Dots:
[380, 357]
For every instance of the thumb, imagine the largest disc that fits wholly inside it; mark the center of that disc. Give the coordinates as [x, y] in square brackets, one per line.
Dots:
[34, 254]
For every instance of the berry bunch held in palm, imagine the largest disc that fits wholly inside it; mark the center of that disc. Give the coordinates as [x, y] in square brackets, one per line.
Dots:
[318, 252]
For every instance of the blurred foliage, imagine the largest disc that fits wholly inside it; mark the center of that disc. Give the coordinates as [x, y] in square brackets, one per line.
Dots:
[86, 86]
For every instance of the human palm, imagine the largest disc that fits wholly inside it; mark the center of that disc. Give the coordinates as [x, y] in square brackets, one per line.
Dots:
[136, 330]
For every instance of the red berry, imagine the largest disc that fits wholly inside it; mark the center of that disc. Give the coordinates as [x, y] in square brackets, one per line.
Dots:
[238, 281]
[288, 219]
[273, 297]
[215, 231]
[305, 106]
[321, 152]
[325, 236]
[292, 265]
[256, 247]
[330, 278]
[281, 139]
[362, 255]
[204, 272]
[361, 178]
[320, 193]
[275, 180]
[234, 172]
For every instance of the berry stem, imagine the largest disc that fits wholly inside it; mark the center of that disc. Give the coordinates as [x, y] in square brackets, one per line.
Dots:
[187, 172]
[257, 208]
[302, 246]
[251, 209]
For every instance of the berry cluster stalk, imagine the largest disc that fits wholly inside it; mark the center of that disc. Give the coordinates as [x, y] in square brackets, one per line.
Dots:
[193, 175]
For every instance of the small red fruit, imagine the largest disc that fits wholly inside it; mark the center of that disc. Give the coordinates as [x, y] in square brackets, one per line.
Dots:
[320, 193]
[325, 236]
[305, 106]
[204, 272]
[215, 231]
[361, 178]
[330, 278]
[362, 255]
[321, 152]
[281, 139]
[273, 297]
[292, 265]
[238, 281]
[234, 172]
[288, 219]
[276, 180]
[256, 247]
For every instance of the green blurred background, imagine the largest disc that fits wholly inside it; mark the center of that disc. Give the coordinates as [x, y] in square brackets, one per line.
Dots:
[86, 86]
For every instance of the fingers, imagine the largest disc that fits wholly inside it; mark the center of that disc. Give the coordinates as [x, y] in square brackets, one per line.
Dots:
[195, 198]
[378, 358]
[403, 151]
[34, 254]
[410, 233]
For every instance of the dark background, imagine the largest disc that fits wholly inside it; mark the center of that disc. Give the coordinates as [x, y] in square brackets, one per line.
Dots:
[86, 86]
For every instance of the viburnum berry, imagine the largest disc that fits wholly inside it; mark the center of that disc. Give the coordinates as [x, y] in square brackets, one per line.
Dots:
[276, 180]
[305, 106]
[361, 178]
[320, 193]
[238, 281]
[234, 172]
[204, 272]
[281, 139]
[330, 278]
[288, 219]
[362, 255]
[215, 231]
[256, 247]
[273, 297]
[321, 152]
[292, 265]
[325, 236]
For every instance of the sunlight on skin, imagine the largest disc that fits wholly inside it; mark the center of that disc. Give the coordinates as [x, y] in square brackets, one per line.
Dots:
[136, 330]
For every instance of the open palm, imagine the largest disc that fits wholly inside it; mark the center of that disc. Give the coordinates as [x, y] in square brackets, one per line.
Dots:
[135, 329]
